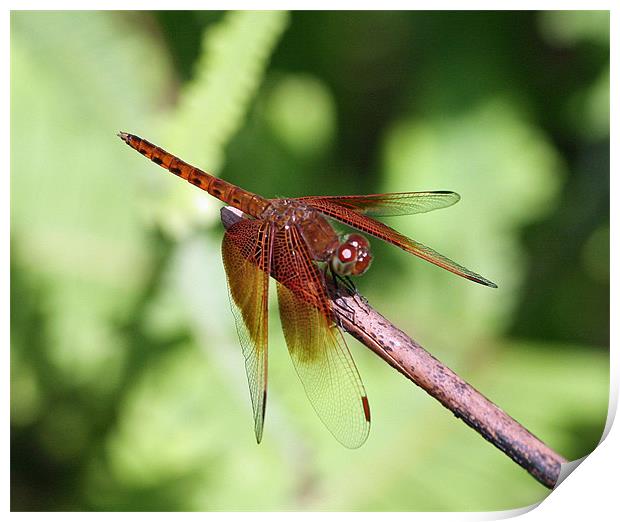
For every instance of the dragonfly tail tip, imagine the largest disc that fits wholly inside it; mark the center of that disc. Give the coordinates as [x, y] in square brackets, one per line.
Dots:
[483, 281]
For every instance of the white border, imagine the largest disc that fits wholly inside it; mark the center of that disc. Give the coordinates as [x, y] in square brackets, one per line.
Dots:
[590, 491]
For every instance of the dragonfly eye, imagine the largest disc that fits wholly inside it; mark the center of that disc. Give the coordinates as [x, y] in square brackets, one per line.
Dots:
[352, 257]
[363, 255]
[346, 254]
[364, 258]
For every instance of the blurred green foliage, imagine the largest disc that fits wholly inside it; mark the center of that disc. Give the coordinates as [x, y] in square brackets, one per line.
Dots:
[127, 383]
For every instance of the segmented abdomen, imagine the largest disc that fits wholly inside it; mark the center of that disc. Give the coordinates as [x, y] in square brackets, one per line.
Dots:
[247, 202]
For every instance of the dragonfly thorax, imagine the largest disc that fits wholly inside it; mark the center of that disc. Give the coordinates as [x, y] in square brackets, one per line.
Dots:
[352, 257]
[287, 212]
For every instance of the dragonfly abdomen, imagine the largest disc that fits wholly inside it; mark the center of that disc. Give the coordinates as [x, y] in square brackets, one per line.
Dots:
[230, 194]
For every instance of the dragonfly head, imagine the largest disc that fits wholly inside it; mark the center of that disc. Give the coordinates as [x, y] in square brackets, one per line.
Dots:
[352, 257]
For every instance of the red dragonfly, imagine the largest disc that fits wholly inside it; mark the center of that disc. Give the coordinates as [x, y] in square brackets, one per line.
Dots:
[292, 240]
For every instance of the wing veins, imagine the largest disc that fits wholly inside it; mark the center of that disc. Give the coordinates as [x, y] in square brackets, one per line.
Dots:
[317, 347]
[382, 231]
[246, 252]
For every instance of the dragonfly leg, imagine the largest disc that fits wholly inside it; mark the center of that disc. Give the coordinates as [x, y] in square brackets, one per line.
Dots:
[348, 283]
[342, 283]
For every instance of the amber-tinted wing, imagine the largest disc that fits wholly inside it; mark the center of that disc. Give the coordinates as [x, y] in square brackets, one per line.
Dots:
[391, 204]
[357, 219]
[246, 251]
[316, 345]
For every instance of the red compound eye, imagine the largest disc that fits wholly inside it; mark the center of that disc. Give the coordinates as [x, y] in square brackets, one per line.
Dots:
[352, 257]
[346, 254]
[364, 258]
[357, 241]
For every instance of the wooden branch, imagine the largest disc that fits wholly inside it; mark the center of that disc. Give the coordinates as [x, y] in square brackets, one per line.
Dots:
[404, 354]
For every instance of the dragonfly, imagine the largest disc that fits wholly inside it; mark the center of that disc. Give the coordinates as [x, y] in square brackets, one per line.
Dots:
[293, 241]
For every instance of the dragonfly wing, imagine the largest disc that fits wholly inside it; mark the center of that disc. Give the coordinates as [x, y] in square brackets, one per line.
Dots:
[246, 252]
[375, 228]
[391, 204]
[316, 345]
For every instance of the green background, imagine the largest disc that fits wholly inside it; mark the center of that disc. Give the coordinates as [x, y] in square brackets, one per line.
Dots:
[128, 390]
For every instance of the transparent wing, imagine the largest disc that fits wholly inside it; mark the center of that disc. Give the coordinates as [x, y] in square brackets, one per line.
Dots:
[316, 345]
[365, 223]
[391, 204]
[246, 252]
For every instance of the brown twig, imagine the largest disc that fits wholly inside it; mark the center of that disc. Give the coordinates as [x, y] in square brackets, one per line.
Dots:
[401, 352]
